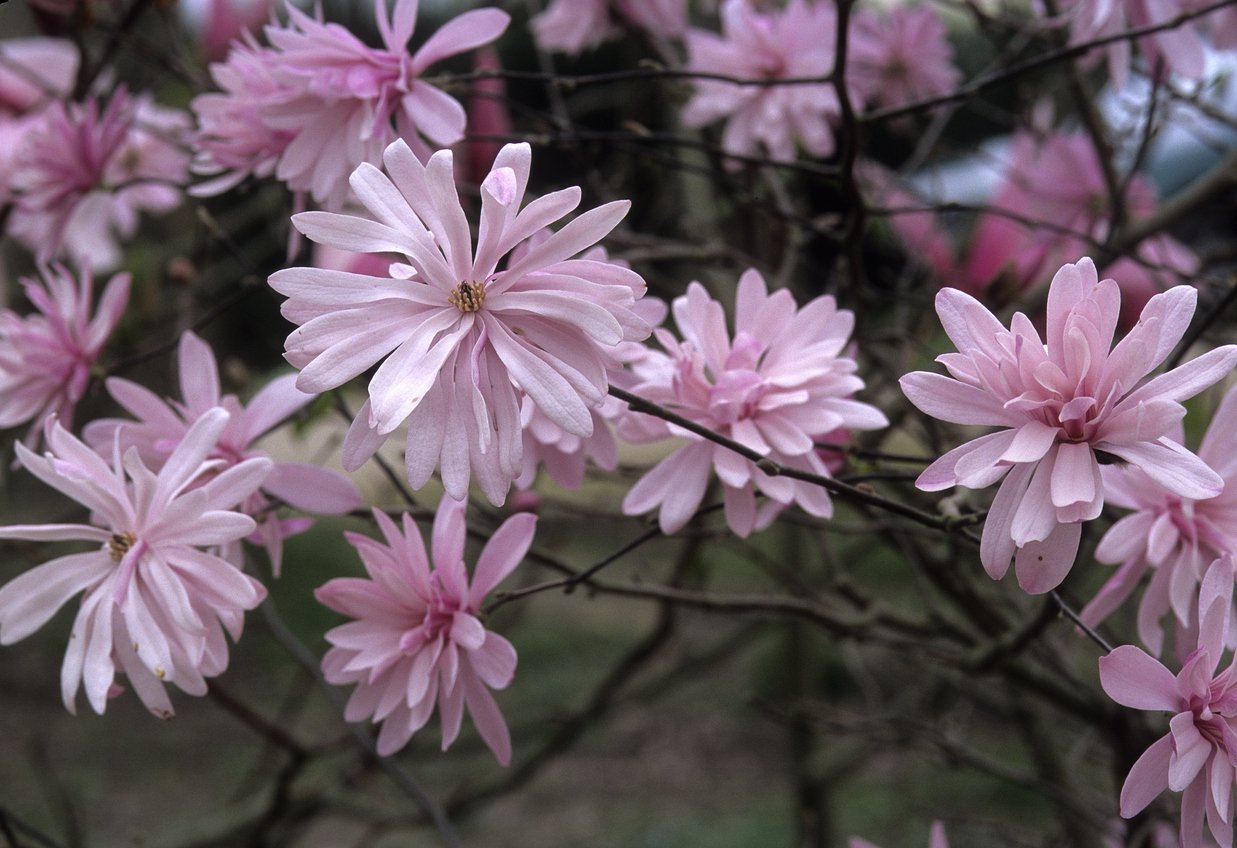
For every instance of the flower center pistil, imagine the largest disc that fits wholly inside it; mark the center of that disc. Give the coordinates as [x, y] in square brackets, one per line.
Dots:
[119, 545]
[467, 297]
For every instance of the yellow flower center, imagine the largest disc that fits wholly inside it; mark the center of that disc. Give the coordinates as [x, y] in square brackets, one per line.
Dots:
[467, 297]
[119, 545]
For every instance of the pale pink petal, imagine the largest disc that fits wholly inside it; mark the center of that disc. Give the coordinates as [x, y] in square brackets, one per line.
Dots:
[1147, 778]
[1136, 680]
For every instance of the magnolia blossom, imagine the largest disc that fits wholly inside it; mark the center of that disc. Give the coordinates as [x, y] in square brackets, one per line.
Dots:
[901, 56]
[936, 838]
[1063, 400]
[82, 176]
[156, 605]
[161, 426]
[461, 342]
[417, 640]
[774, 387]
[46, 356]
[325, 101]
[1197, 756]
[573, 26]
[795, 42]
[1172, 537]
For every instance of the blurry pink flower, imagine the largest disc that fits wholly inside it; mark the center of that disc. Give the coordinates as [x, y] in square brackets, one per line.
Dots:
[417, 640]
[1062, 400]
[35, 72]
[221, 22]
[156, 604]
[46, 356]
[936, 838]
[795, 42]
[1198, 755]
[777, 384]
[901, 56]
[462, 340]
[662, 18]
[350, 100]
[488, 116]
[573, 26]
[1173, 537]
[1180, 48]
[161, 426]
[234, 139]
[82, 177]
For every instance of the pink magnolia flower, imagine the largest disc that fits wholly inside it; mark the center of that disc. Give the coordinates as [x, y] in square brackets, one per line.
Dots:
[795, 42]
[217, 24]
[1062, 400]
[463, 342]
[352, 100]
[936, 838]
[1172, 537]
[34, 72]
[82, 176]
[774, 386]
[417, 640]
[1197, 756]
[46, 357]
[155, 604]
[901, 56]
[161, 426]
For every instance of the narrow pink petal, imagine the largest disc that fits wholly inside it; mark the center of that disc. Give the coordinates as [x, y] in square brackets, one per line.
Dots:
[996, 546]
[1147, 778]
[1073, 474]
[1134, 679]
[1190, 751]
[447, 539]
[958, 403]
[274, 403]
[580, 234]
[1190, 378]
[460, 34]
[942, 473]
[1172, 466]
[494, 662]
[504, 551]
[29, 600]
[488, 718]
[199, 373]
[313, 488]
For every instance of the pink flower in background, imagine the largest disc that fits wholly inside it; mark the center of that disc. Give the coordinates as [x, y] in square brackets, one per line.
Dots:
[795, 42]
[46, 356]
[936, 838]
[1197, 756]
[417, 640]
[35, 72]
[901, 56]
[219, 23]
[1172, 537]
[774, 386]
[1062, 399]
[156, 605]
[573, 26]
[346, 101]
[234, 139]
[460, 341]
[161, 426]
[82, 176]
[1181, 49]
